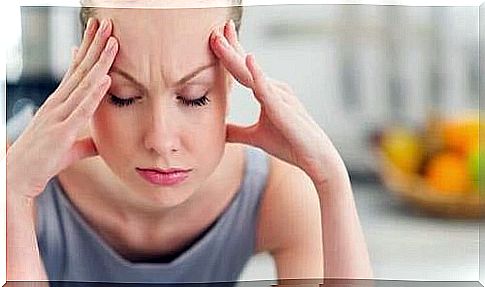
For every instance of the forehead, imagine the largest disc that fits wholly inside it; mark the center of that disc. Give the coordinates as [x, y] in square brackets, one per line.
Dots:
[174, 38]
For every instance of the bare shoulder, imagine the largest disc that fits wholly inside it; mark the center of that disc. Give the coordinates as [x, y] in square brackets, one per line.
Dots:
[289, 215]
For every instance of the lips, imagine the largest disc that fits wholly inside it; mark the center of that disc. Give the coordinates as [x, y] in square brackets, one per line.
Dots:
[164, 177]
[167, 170]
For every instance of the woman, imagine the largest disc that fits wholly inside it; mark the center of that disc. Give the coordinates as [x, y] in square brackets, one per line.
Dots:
[130, 173]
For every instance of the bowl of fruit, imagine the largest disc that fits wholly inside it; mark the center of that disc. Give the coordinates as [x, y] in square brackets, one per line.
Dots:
[434, 167]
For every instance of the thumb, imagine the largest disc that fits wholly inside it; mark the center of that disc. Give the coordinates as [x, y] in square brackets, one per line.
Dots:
[239, 134]
[82, 149]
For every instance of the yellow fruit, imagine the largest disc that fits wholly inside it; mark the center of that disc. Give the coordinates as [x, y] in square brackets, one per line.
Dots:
[403, 148]
[448, 173]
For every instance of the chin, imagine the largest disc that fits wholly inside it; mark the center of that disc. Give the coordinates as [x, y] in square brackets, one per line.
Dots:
[170, 198]
[165, 196]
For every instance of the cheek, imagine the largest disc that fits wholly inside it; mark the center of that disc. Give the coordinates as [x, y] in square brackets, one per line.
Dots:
[111, 133]
[207, 130]
[208, 145]
[118, 132]
[208, 126]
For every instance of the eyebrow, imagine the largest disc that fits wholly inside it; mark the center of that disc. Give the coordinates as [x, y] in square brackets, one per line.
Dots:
[182, 81]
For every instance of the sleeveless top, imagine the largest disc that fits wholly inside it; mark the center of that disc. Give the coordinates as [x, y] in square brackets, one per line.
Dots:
[72, 251]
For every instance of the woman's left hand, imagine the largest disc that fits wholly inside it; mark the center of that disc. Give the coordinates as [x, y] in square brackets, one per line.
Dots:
[284, 129]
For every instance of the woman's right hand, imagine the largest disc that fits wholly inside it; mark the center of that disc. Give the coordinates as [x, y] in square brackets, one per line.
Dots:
[50, 142]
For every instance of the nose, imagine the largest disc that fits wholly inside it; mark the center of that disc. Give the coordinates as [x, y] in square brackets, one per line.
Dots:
[162, 134]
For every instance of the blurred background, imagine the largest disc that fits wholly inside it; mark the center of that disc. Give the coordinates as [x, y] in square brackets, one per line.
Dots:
[396, 88]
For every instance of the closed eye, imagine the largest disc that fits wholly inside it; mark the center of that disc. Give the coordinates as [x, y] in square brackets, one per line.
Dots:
[121, 102]
[202, 101]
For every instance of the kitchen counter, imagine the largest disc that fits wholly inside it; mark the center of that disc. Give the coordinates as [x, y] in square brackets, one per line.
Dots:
[404, 244]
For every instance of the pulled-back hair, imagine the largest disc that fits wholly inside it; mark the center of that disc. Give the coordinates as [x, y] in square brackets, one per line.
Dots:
[88, 10]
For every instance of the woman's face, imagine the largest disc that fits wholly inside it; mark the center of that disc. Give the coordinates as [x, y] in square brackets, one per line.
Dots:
[167, 103]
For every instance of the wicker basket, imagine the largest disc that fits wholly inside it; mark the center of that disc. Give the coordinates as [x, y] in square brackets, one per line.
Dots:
[414, 190]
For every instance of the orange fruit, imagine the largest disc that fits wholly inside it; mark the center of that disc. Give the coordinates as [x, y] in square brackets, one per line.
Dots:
[461, 135]
[448, 173]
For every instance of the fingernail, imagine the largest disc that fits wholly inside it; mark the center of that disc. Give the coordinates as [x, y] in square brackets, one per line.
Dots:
[227, 26]
[212, 38]
[104, 26]
[232, 24]
[111, 45]
[89, 26]
[222, 40]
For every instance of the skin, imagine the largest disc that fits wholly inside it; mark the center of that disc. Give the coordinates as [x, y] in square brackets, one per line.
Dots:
[159, 130]
[102, 145]
[171, 215]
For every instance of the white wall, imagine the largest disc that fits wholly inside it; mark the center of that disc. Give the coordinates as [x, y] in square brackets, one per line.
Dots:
[306, 46]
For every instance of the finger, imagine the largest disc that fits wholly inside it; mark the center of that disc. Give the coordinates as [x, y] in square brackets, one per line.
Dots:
[98, 72]
[80, 53]
[231, 59]
[231, 35]
[88, 38]
[261, 88]
[285, 93]
[77, 55]
[239, 134]
[81, 149]
[90, 59]
[74, 52]
[85, 110]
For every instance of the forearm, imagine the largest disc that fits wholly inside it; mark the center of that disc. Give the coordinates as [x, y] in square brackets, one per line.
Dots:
[23, 256]
[345, 250]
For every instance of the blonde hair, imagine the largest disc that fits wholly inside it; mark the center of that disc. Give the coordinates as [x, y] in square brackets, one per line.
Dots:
[88, 10]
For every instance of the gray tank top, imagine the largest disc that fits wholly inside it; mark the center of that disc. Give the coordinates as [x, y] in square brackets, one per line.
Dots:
[72, 251]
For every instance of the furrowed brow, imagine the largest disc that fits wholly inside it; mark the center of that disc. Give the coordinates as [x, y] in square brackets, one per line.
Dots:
[197, 71]
[180, 82]
[129, 78]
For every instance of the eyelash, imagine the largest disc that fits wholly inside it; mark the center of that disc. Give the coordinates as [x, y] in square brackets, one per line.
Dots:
[121, 102]
[202, 101]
